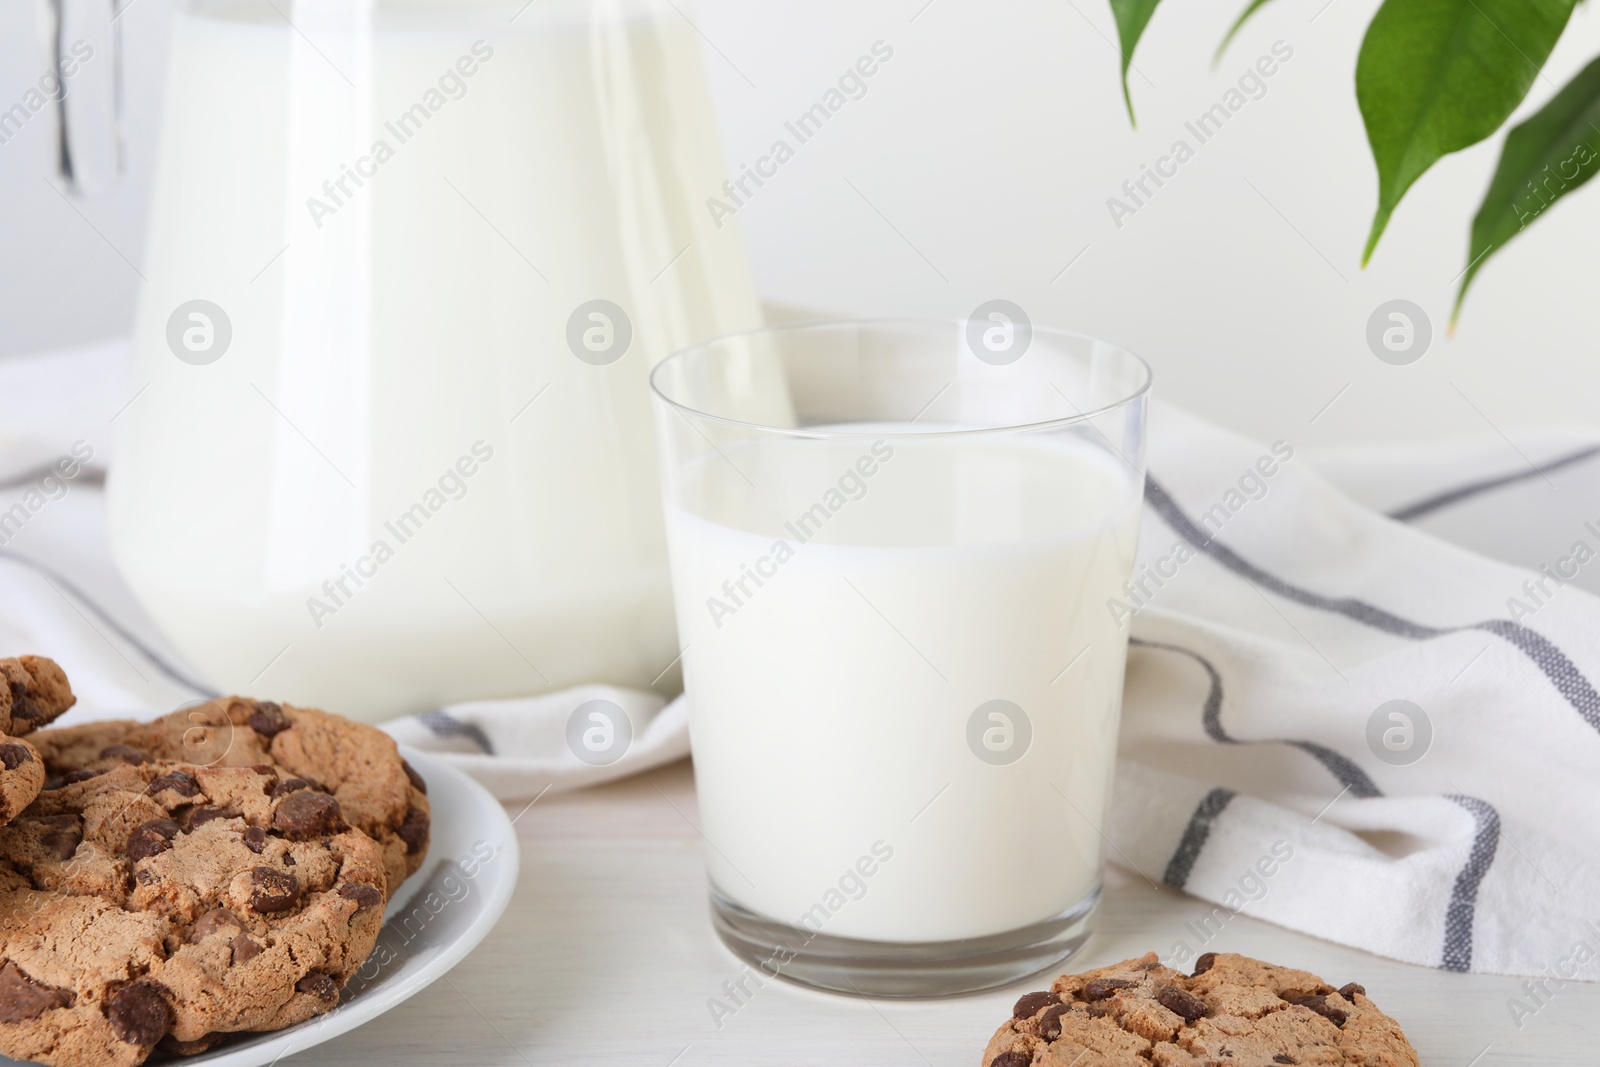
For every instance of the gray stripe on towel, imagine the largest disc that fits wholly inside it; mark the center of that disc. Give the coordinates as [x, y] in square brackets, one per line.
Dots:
[1337, 763]
[1412, 512]
[443, 724]
[1194, 836]
[1464, 894]
[1557, 667]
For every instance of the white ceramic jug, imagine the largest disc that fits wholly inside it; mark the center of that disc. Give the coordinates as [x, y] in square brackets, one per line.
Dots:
[410, 263]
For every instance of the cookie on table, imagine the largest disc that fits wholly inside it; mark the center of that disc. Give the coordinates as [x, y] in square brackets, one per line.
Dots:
[35, 693]
[167, 904]
[378, 791]
[1233, 1011]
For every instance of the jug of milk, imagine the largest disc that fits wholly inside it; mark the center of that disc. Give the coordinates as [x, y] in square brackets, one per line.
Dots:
[410, 264]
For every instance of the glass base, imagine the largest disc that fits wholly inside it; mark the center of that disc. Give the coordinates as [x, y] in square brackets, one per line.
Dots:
[900, 969]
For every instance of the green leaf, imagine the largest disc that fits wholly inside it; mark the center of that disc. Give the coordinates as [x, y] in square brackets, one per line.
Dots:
[1437, 76]
[1549, 155]
[1132, 17]
[1244, 17]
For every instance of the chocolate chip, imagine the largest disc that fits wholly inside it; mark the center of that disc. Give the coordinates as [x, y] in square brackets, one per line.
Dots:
[244, 949]
[307, 814]
[272, 890]
[145, 876]
[125, 754]
[416, 779]
[1186, 1005]
[1030, 1003]
[268, 719]
[1319, 1004]
[1102, 988]
[414, 831]
[198, 817]
[364, 895]
[289, 785]
[23, 706]
[139, 1013]
[190, 1048]
[22, 999]
[1283, 1057]
[1015, 1058]
[265, 768]
[319, 985]
[151, 838]
[212, 921]
[14, 755]
[1349, 991]
[61, 834]
[1050, 1022]
[64, 843]
[70, 778]
[1203, 964]
[255, 839]
[177, 781]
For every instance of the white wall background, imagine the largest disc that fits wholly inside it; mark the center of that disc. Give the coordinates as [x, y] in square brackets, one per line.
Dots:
[981, 159]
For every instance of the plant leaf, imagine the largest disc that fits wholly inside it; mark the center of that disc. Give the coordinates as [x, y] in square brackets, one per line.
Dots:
[1436, 76]
[1132, 17]
[1244, 16]
[1552, 153]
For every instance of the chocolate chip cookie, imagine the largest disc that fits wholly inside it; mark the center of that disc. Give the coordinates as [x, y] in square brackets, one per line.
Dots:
[35, 692]
[312, 751]
[1233, 1011]
[167, 904]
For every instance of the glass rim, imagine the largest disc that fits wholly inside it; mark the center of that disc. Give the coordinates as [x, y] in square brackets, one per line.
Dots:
[1147, 378]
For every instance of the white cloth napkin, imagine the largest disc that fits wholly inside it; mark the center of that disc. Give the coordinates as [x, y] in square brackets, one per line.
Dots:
[1288, 614]
[521, 748]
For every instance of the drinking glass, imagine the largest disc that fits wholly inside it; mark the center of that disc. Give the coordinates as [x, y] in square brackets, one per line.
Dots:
[893, 545]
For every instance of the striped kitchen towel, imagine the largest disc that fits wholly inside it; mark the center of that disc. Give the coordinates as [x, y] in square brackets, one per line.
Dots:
[1339, 723]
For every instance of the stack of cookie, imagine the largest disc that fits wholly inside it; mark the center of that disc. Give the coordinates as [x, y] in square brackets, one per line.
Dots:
[168, 883]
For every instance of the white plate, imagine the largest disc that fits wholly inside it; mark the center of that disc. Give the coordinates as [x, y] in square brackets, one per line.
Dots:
[438, 916]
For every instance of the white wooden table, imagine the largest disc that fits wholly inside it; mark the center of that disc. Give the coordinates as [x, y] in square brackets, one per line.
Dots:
[606, 956]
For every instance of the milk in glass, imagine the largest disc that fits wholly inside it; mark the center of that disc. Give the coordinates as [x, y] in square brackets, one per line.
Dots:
[849, 607]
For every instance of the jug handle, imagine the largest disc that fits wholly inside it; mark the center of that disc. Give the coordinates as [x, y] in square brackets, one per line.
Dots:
[87, 53]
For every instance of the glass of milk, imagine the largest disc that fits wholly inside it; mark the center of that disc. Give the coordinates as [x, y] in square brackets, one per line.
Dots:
[892, 547]
[410, 265]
